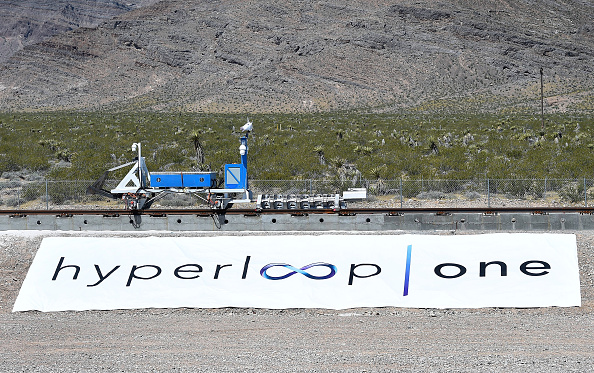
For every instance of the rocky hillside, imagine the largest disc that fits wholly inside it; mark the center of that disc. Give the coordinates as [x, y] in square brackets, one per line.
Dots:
[300, 55]
[25, 22]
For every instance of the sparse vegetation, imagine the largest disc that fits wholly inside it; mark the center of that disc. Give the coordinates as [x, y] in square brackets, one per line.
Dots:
[291, 146]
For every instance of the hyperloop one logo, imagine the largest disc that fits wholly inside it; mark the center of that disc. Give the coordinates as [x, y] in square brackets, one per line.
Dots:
[332, 268]
[301, 270]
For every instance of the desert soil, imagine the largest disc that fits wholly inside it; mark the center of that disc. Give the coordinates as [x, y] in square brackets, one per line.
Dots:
[295, 340]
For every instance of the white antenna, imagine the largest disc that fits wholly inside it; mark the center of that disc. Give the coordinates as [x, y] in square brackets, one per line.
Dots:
[248, 126]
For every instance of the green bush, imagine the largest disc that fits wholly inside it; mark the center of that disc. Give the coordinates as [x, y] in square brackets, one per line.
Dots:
[518, 188]
[62, 192]
[32, 191]
[572, 192]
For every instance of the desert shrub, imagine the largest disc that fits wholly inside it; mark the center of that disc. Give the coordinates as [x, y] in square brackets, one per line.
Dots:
[61, 194]
[431, 195]
[12, 201]
[518, 188]
[32, 191]
[281, 144]
[572, 192]
[472, 195]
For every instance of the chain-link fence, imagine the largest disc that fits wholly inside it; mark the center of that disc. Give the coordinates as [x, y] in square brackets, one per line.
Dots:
[45, 194]
[49, 194]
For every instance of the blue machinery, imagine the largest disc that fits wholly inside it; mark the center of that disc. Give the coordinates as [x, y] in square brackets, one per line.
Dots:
[139, 189]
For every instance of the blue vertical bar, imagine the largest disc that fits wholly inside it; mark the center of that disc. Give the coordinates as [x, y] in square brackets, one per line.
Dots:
[407, 273]
[244, 141]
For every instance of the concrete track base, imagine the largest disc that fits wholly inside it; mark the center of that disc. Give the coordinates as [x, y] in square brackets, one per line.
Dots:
[308, 222]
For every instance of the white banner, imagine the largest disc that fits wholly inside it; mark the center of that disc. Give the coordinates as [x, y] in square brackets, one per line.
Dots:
[295, 271]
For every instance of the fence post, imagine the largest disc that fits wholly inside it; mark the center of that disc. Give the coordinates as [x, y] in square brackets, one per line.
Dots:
[400, 192]
[488, 194]
[585, 194]
[46, 195]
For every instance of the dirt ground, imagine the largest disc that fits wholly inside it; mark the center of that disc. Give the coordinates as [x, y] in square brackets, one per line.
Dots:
[295, 340]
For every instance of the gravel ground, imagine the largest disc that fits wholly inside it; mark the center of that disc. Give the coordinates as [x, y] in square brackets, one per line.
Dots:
[295, 340]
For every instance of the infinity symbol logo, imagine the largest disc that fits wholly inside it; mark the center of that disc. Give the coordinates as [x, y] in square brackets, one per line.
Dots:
[300, 270]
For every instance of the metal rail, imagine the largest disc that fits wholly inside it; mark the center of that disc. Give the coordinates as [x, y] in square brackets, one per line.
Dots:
[344, 212]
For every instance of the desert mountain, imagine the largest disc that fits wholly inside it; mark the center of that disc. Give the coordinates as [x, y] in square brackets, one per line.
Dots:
[300, 55]
[25, 22]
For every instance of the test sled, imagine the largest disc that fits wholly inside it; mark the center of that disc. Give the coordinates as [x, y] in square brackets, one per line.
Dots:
[139, 189]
